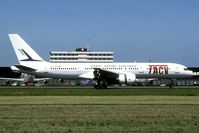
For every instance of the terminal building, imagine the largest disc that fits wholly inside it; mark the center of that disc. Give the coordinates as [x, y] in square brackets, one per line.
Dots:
[81, 55]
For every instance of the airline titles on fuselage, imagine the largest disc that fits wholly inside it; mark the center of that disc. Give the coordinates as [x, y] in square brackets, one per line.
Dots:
[112, 66]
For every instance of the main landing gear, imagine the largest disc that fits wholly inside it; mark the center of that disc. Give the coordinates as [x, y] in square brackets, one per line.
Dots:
[101, 84]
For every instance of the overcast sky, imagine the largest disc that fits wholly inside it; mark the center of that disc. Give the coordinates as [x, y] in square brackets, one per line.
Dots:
[135, 30]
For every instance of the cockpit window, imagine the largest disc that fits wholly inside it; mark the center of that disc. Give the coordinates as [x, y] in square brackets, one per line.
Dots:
[186, 69]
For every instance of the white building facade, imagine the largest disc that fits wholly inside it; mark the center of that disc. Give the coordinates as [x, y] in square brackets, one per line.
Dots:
[81, 55]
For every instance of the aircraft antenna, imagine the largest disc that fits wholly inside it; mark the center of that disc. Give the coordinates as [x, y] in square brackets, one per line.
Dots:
[87, 44]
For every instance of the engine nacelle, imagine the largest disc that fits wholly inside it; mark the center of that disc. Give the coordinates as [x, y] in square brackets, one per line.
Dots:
[127, 78]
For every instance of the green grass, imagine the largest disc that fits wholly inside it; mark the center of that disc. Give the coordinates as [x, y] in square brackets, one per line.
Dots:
[99, 118]
[89, 91]
[99, 100]
[76, 110]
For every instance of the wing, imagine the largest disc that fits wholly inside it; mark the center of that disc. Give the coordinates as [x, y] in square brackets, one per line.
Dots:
[41, 79]
[104, 78]
[12, 79]
[99, 73]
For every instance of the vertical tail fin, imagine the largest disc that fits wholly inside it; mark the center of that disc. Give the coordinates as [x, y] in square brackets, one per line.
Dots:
[23, 51]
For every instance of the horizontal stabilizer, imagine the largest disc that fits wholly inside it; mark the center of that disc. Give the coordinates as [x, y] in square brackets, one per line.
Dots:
[25, 68]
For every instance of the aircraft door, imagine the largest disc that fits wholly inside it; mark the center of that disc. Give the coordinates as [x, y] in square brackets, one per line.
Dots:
[177, 71]
[141, 69]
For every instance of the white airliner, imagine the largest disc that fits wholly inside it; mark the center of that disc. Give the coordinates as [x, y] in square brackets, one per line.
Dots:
[103, 74]
[24, 79]
[8, 74]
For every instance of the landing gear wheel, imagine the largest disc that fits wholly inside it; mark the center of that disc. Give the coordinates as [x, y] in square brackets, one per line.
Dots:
[100, 85]
[103, 86]
[96, 86]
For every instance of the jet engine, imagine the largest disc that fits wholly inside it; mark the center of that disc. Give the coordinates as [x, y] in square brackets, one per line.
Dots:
[127, 78]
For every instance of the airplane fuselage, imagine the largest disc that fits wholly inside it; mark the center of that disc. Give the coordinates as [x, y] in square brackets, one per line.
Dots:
[141, 70]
